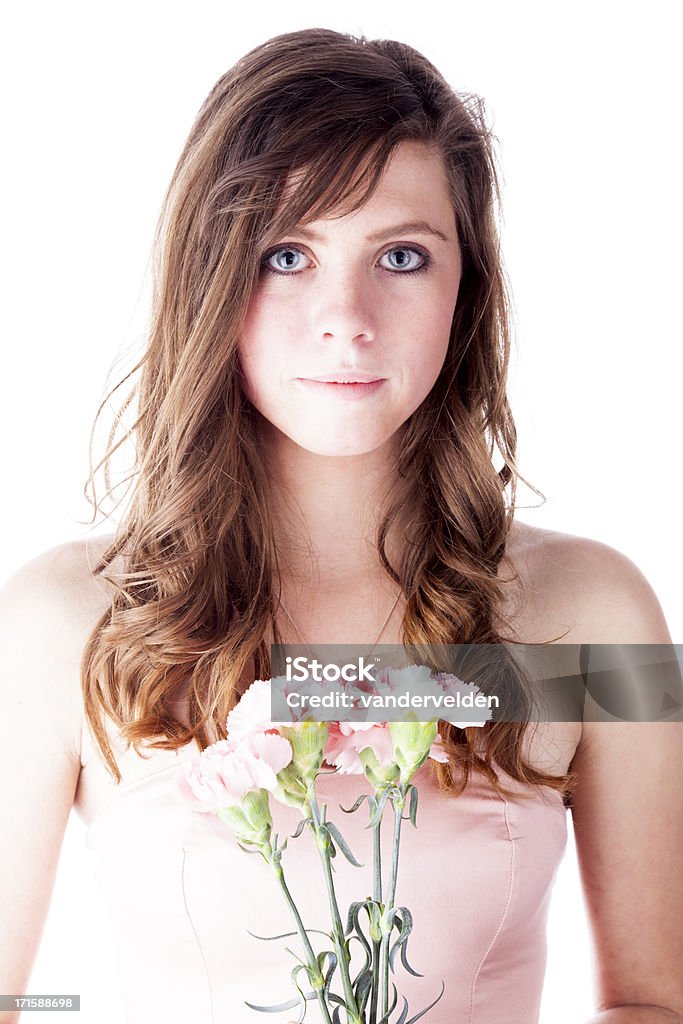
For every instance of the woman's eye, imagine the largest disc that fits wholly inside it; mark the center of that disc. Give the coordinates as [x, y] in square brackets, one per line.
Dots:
[404, 258]
[286, 260]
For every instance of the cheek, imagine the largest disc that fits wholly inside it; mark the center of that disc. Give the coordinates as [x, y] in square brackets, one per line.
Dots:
[254, 377]
[268, 328]
[246, 352]
[258, 348]
[429, 338]
[440, 326]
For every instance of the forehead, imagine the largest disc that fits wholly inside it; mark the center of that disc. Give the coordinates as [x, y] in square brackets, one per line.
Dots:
[413, 188]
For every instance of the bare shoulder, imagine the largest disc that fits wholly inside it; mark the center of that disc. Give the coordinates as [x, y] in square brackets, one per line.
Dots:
[578, 590]
[48, 609]
[62, 582]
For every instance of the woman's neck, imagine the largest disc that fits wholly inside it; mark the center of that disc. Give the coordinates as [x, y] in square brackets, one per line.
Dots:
[326, 510]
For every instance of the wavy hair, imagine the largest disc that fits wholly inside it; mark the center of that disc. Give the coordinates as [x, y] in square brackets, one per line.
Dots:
[194, 602]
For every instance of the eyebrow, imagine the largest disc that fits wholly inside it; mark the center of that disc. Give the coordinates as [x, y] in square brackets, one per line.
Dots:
[421, 227]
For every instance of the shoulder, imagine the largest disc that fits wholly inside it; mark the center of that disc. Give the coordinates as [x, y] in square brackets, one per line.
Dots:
[578, 589]
[48, 609]
[61, 584]
[625, 803]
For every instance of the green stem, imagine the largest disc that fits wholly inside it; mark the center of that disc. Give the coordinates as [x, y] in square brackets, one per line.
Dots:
[398, 803]
[377, 862]
[312, 961]
[322, 842]
[376, 943]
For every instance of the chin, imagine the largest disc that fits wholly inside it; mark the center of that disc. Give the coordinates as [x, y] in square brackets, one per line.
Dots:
[334, 448]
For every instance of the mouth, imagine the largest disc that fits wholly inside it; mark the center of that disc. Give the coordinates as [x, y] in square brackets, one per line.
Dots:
[345, 377]
[352, 387]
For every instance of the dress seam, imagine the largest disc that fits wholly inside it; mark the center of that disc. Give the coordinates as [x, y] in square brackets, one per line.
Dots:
[196, 936]
[511, 875]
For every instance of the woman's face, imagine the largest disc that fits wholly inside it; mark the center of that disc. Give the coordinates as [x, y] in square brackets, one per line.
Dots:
[368, 297]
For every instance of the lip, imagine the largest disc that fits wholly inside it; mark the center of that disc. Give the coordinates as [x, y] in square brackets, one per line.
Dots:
[349, 390]
[345, 377]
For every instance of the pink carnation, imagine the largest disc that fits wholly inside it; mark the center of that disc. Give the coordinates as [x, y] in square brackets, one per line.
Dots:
[224, 773]
[453, 685]
[251, 714]
[347, 739]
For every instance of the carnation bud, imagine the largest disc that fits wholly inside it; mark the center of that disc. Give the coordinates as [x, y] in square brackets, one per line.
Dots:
[250, 820]
[308, 741]
[377, 773]
[412, 742]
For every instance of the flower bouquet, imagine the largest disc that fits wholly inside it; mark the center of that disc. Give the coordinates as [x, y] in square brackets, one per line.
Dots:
[236, 777]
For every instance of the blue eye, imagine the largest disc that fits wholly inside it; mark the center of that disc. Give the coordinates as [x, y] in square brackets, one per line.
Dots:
[284, 260]
[287, 260]
[406, 259]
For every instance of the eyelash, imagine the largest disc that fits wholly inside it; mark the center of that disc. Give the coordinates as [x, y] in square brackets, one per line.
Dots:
[426, 260]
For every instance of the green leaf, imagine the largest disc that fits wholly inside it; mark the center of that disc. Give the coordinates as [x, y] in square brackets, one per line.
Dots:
[404, 961]
[295, 955]
[280, 1006]
[359, 801]
[422, 1012]
[412, 811]
[300, 827]
[285, 935]
[405, 923]
[377, 813]
[330, 970]
[311, 995]
[341, 843]
[349, 916]
[366, 949]
[362, 988]
[247, 849]
[271, 938]
[404, 1012]
[384, 1019]
[353, 924]
[337, 999]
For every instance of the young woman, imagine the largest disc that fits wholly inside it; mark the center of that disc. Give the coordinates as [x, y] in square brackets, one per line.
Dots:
[325, 454]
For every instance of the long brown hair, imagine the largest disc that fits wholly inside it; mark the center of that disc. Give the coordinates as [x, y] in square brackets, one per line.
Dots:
[194, 603]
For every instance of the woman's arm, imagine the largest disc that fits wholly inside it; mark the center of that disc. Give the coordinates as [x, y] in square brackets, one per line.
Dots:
[43, 623]
[628, 819]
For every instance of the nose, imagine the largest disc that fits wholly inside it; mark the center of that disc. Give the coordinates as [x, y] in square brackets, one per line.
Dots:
[344, 310]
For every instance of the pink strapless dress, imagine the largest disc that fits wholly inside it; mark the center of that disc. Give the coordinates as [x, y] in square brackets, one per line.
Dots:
[477, 874]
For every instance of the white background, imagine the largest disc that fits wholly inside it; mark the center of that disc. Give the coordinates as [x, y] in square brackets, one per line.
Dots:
[585, 100]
